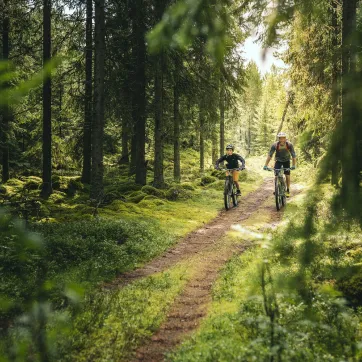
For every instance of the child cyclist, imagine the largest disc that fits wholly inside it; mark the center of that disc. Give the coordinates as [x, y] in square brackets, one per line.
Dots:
[232, 160]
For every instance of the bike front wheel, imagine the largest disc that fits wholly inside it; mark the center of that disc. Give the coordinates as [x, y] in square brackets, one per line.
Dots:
[278, 203]
[227, 201]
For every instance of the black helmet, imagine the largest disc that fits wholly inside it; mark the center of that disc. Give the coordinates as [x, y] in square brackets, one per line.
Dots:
[230, 147]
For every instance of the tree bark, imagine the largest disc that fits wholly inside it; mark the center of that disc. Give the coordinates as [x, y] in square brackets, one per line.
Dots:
[47, 99]
[176, 120]
[159, 126]
[289, 102]
[202, 134]
[6, 115]
[98, 125]
[351, 118]
[222, 121]
[335, 162]
[88, 110]
[139, 89]
[215, 146]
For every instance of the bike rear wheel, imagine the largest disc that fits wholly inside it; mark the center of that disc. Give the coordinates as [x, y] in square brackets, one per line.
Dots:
[234, 197]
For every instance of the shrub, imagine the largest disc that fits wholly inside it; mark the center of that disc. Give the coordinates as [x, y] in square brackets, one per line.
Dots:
[351, 287]
[177, 192]
[56, 182]
[3, 190]
[74, 185]
[150, 190]
[205, 180]
[32, 185]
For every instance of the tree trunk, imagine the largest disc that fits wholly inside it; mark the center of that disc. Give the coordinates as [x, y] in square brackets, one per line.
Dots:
[88, 110]
[139, 89]
[6, 108]
[47, 98]
[289, 102]
[350, 107]
[335, 162]
[176, 120]
[202, 134]
[222, 121]
[215, 146]
[98, 125]
[125, 139]
[159, 127]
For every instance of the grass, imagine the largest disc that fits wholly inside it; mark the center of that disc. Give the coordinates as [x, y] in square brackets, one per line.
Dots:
[125, 318]
[324, 329]
[84, 245]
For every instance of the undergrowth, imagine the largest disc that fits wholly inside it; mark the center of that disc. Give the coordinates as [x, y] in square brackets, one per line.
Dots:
[290, 299]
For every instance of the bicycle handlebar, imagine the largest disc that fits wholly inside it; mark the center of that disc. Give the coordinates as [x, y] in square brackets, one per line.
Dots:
[231, 169]
[279, 169]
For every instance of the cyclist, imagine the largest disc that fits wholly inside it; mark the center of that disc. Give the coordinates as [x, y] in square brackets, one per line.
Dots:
[283, 150]
[232, 160]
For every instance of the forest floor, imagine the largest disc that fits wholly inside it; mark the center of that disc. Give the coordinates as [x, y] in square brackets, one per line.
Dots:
[206, 250]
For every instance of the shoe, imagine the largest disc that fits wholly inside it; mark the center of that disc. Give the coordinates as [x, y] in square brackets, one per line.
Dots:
[238, 193]
[287, 193]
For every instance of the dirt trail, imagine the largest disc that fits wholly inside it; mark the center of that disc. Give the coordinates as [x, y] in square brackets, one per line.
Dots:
[207, 244]
[203, 238]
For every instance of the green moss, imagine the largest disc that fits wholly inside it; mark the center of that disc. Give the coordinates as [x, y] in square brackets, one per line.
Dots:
[188, 186]
[136, 197]
[151, 197]
[150, 190]
[74, 185]
[32, 185]
[127, 317]
[178, 193]
[205, 180]
[15, 182]
[218, 185]
[57, 197]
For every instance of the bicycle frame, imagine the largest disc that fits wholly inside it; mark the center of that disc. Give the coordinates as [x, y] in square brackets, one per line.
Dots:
[280, 187]
[230, 189]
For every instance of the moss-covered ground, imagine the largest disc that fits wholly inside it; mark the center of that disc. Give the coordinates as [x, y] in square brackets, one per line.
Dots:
[87, 242]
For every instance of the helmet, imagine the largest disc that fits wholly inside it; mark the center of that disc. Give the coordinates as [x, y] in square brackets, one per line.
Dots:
[230, 147]
[281, 134]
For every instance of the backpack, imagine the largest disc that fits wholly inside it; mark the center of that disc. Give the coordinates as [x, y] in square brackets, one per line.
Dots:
[286, 144]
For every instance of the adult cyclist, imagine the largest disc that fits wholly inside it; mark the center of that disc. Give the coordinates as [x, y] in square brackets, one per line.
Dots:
[232, 160]
[284, 150]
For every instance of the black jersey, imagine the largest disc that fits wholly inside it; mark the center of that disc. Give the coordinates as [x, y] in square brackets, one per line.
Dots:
[232, 161]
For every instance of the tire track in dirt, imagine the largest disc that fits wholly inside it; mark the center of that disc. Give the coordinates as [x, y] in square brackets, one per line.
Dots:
[200, 240]
[191, 306]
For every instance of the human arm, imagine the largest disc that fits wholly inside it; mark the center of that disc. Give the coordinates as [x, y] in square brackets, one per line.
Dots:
[242, 160]
[221, 159]
[294, 156]
[270, 155]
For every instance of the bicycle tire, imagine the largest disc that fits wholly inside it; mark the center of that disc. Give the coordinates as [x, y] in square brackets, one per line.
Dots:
[227, 201]
[227, 196]
[234, 197]
[277, 198]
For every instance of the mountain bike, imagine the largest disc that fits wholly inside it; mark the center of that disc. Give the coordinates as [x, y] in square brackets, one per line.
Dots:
[230, 196]
[280, 187]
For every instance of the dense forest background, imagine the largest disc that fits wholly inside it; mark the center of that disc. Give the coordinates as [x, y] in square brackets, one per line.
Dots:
[112, 115]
